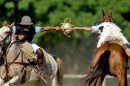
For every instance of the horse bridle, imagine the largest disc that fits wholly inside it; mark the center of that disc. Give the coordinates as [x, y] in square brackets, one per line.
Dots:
[4, 44]
[6, 50]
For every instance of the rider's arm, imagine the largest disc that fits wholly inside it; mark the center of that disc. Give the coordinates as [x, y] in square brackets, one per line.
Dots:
[49, 28]
[40, 29]
[93, 29]
[89, 29]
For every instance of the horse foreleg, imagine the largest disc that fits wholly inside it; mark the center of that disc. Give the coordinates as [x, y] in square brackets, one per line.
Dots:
[1, 81]
[12, 81]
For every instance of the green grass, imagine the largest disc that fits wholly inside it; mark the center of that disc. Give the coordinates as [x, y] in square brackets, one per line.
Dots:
[26, 84]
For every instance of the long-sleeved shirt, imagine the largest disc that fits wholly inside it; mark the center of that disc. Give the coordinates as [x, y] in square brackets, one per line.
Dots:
[37, 29]
[100, 28]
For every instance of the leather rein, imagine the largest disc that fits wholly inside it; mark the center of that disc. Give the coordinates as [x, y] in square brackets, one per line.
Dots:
[6, 47]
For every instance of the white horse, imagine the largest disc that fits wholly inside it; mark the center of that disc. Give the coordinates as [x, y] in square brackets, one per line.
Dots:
[14, 67]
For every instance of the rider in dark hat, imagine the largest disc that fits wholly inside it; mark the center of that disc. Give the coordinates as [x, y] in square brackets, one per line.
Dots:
[25, 31]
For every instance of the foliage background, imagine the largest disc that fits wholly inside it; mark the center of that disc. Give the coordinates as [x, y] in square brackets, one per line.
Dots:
[76, 51]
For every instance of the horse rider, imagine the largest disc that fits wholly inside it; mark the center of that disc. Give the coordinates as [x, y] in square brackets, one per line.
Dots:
[25, 31]
[107, 29]
[104, 30]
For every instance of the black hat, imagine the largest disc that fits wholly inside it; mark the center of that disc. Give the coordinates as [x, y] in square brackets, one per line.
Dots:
[26, 20]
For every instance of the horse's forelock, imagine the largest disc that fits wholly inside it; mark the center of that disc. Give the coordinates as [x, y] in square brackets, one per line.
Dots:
[108, 17]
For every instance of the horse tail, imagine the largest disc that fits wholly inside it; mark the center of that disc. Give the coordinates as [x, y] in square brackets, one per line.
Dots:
[97, 70]
[59, 71]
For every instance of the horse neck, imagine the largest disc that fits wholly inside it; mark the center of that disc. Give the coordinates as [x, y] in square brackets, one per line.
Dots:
[13, 49]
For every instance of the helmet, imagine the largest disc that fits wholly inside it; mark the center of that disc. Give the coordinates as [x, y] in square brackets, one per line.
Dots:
[26, 20]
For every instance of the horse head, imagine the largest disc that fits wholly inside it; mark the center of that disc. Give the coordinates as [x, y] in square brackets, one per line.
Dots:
[108, 17]
[5, 31]
[105, 18]
[5, 36]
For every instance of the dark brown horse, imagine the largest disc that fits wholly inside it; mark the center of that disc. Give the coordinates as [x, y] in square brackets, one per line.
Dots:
[109, 59]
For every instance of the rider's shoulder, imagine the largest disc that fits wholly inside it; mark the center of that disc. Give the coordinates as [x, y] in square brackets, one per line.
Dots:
[107, 23]
[110, 25]
[37, 29]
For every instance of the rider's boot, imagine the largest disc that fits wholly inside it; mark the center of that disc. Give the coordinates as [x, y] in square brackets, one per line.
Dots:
[40, 59]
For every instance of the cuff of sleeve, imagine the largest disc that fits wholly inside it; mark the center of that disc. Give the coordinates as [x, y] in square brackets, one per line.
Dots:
[93, 29]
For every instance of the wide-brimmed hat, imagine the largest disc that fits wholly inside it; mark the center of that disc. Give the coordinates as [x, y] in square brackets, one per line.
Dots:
[26, 20]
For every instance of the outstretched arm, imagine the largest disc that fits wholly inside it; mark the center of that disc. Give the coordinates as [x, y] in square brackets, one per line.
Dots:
[49, 28]
[89, 29]
[93, 29]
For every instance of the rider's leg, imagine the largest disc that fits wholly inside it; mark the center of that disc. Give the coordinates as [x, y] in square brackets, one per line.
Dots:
[126, 45]
[40, 54]
[1, 81]
[41, 62]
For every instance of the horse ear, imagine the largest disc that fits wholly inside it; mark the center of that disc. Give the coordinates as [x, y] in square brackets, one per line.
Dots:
[110, 13]
[11, 25]
[5, 23]
[103, 14]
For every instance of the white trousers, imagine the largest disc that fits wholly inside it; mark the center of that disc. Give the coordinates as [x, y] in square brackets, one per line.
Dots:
[109, 32]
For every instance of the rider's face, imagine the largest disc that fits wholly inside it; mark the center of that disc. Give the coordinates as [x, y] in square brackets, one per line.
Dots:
[26, 27]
